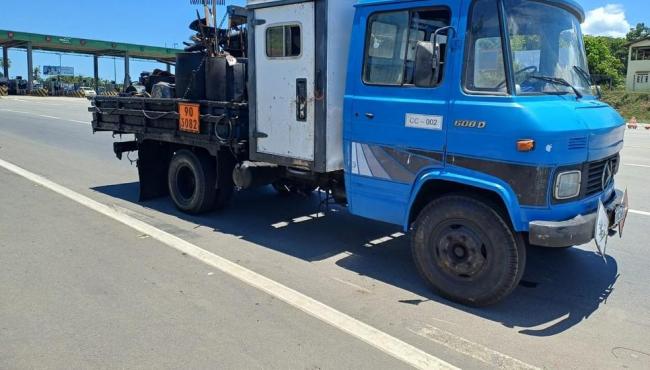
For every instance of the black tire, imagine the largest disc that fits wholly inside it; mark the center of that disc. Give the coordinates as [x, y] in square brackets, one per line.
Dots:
[192, 181]
[466, 251]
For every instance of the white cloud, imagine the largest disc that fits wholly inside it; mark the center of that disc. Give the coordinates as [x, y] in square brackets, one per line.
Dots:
[608, 20]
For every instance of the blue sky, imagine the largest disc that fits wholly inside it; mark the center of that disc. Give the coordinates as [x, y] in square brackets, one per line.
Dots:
[164, 22]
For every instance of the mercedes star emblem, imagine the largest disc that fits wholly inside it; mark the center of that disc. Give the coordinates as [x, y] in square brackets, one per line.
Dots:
[608, 174]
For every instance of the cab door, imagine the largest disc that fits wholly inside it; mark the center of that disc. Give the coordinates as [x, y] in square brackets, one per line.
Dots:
[394, 131]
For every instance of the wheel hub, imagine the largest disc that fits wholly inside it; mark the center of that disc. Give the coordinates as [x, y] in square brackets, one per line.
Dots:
[460, 252]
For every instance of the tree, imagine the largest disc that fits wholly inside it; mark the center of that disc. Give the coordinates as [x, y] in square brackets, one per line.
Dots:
[37, 73]
[638, 32]
[602, 60]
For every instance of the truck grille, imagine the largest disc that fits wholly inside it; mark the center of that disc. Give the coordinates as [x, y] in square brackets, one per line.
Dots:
[594, 174]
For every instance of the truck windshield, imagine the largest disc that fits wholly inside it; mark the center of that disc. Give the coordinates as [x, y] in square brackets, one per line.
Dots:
[546, 45]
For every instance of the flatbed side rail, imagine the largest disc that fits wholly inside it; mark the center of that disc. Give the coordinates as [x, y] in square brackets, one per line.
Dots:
[221, 123]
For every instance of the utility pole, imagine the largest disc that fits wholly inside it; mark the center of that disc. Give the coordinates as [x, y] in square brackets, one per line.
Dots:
[114, 73]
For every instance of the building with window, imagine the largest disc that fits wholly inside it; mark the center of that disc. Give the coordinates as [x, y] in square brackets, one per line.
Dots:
[638, 68]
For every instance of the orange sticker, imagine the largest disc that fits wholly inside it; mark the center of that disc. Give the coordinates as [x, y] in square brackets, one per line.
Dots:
[189, 117]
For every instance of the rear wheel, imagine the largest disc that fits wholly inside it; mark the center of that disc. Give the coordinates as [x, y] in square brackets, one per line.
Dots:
[466, 251]
[192, 179]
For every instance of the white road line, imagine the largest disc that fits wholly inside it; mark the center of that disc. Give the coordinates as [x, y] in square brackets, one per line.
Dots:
[355, 286]
[374, 337]
[46, 116]
[637, 165]
[643, 213]
[14, 111]
[474, 350]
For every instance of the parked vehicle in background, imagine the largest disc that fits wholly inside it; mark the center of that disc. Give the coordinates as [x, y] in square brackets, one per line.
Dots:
[88, 92]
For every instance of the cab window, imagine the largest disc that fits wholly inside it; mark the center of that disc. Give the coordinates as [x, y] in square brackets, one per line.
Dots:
[283, 41]
[391, 41]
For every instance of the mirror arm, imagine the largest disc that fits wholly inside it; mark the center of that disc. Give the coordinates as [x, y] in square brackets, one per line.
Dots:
[436, 50]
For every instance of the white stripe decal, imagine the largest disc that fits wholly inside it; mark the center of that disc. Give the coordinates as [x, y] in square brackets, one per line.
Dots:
[372, 336]
[361, 161]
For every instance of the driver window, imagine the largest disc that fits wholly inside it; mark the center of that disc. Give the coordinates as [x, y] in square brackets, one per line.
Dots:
[392, 41]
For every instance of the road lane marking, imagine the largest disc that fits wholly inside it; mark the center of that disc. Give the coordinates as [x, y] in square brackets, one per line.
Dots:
[353, 285]
[46, 116]
[637, 165]
[474, 350]
[643, 213]
[356, 328]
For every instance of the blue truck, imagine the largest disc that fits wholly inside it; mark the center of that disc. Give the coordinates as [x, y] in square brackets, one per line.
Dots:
[473, 124]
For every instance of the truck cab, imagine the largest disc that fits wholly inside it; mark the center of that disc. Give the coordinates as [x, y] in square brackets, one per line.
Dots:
[457, 104]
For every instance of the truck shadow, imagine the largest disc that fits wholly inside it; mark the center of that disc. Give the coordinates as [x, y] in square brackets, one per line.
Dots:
[558, 291]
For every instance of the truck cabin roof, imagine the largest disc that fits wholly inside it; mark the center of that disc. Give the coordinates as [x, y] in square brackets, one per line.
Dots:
[570, 5]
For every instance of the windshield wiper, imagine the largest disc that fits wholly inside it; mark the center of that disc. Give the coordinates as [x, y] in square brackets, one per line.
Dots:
[559, 81]
[584, 74]
[587, 77]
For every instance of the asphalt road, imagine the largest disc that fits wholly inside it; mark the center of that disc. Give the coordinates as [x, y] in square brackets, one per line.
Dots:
[81, 290]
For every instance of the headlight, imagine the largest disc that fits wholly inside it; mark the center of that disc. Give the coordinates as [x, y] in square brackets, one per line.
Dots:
[567, 184]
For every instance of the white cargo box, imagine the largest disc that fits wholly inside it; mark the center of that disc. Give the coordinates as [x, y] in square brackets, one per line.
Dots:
[298, 54]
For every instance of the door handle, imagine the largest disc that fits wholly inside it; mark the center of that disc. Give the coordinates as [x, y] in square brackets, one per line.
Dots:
[370, 115]
[301, 99]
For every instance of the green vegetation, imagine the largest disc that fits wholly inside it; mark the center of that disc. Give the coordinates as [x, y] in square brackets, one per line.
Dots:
[602, 57]
[607, 56]
[629, 104]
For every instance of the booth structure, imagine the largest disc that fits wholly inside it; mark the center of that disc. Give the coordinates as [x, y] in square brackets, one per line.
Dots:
[96, 48]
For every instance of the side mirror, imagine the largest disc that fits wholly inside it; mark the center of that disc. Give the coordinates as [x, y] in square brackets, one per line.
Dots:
[425, 62]
[428, 57]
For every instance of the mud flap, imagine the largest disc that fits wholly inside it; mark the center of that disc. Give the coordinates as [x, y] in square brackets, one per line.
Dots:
[153, 162]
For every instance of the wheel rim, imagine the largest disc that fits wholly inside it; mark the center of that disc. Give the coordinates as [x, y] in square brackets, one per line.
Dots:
[459, 250]
[186, 182]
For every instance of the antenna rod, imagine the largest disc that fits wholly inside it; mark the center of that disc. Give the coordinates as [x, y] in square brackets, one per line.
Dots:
[214, 22]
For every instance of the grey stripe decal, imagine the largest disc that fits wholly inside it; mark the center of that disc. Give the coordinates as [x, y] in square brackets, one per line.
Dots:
[375, 167]
[393, 167]
[390, 163]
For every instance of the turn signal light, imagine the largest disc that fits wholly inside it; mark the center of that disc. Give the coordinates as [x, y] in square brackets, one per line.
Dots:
[525, 145]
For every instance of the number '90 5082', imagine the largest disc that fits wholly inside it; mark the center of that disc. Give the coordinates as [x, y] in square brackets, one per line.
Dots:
[189, 117]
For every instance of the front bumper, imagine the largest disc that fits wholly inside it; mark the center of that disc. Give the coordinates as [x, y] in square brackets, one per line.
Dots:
[579, 230]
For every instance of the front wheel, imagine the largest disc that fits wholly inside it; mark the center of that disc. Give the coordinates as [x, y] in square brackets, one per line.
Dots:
[466, 252]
